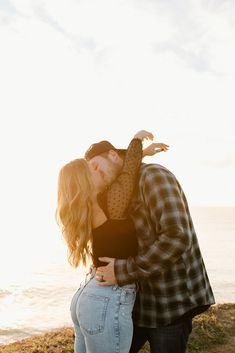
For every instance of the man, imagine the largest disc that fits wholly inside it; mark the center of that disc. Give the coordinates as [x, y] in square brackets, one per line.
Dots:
[173, 285]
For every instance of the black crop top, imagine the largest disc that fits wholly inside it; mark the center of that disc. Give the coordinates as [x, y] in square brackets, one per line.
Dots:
[116, 237]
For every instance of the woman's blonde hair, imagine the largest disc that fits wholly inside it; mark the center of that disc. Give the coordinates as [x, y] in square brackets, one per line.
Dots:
[74, 210]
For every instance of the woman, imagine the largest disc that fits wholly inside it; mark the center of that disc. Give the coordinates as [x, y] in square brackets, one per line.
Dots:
[101, 315]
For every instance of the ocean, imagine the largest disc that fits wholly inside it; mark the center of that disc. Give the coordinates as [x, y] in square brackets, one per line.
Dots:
[36, 299]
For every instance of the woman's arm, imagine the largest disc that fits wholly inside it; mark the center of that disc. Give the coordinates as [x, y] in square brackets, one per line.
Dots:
[134, 153]
[120, 192]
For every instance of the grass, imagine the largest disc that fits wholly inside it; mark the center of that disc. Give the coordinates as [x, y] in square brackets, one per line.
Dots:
[213, 332]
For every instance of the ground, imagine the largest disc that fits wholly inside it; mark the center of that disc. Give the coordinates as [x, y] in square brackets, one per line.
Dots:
[213, 332]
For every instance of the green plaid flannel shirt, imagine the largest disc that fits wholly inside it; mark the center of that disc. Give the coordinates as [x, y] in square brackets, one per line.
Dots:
[169, 269]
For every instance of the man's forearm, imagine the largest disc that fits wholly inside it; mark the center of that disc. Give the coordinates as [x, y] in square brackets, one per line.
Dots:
[161, 256]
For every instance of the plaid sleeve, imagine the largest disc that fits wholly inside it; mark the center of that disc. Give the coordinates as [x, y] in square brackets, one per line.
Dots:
[167, 206]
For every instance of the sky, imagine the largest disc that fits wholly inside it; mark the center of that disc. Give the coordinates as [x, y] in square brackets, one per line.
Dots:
[74, 72]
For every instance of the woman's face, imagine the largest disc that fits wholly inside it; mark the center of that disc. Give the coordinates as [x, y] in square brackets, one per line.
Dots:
[97, 177]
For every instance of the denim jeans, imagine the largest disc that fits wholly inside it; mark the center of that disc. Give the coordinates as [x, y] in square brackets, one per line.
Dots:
[102, 318]
[166, 339]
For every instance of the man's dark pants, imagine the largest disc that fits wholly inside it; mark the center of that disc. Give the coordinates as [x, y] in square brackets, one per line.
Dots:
[167, 339]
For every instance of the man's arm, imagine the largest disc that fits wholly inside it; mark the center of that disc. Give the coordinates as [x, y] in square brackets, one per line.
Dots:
[168, 211]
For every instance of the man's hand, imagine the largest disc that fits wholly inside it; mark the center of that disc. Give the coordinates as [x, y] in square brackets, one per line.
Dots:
[105, 274]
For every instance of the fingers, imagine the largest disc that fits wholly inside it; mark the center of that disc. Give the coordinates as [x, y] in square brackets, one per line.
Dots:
[104, 283]
[159, 150]
[143, 134]
[99, 272]
[101, 281]
[149, 135]
[105, 259]
[161, 146]
[99, 276]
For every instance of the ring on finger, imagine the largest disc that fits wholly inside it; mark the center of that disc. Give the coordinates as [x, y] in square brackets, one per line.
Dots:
[100, 278]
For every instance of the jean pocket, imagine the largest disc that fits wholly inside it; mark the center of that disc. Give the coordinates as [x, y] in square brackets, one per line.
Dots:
[92, 313]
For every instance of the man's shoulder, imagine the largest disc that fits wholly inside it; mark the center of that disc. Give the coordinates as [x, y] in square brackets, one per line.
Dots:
[156, 174]
[153, 168]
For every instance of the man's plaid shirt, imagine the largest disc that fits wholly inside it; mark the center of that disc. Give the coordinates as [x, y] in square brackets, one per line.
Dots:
[169, 268]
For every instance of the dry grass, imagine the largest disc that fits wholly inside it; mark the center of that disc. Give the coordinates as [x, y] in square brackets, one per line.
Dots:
[213, 332]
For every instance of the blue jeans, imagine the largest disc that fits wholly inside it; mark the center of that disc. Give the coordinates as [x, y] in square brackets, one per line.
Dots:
[102, 318]
[165, 339]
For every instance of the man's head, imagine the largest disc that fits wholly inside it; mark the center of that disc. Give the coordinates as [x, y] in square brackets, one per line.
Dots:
[106, 159]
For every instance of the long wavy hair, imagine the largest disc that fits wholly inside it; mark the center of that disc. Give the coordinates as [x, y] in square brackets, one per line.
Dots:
[74, 210]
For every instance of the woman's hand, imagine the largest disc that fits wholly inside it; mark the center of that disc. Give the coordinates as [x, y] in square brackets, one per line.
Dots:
[155, 148]
[143, 134]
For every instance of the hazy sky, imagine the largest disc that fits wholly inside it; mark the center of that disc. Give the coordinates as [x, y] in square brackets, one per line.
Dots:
[73, 72]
